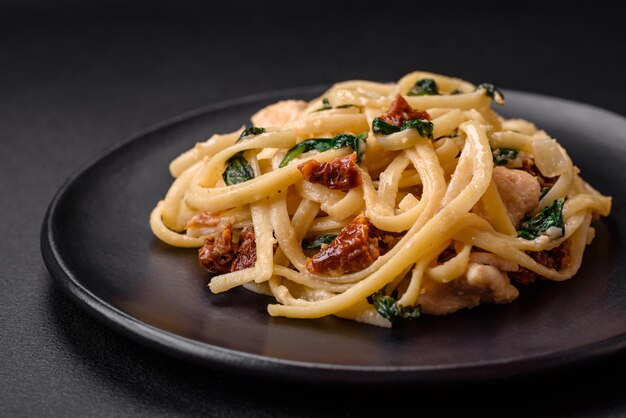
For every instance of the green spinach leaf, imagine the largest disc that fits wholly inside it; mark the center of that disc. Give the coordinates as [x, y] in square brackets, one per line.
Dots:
[550, 216]
[380, 127]
[502, 156]
[252, 131]
[389, 308]
[325, 105]
[424, 87]
[423, 127]
[324, 144]
[492, 91]
[316, 243]
[237, 170]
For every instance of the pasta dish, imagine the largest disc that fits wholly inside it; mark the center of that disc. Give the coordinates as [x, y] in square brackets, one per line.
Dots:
[379, 202]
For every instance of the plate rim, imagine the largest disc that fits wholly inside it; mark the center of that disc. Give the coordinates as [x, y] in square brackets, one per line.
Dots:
[231, 360]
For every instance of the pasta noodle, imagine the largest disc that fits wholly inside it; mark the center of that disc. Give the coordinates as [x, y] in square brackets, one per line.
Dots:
[377, 202]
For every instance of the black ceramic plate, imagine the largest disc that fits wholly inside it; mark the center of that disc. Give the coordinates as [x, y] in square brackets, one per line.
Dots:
[97, 243]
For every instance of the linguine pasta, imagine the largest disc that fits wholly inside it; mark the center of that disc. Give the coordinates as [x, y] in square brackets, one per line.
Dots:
[377, 202]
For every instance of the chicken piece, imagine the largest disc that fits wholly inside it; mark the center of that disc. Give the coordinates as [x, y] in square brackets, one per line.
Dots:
[493, 260]
[519, 191]
[495, 284]
[340, 174]
[481, 284]
[279, 113]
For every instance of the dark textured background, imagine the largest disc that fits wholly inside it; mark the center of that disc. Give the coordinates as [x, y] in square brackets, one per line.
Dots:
[74, 79]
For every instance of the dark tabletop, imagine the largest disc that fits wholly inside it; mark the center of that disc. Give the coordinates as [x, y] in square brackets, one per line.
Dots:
[73, 80]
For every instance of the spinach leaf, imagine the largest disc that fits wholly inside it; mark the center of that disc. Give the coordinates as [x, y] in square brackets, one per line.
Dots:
[423, 127]
[379, 126]
[389, 308]
[325, 105]
[453, 135]
[501, 156]
[525, 234]
[316, 243]
[237, 170]
[313, 144]
[492, 91]
[544, 191]
[550, 216]
[354, 142]
[424, 87]
[252, 131]
[324, 144]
